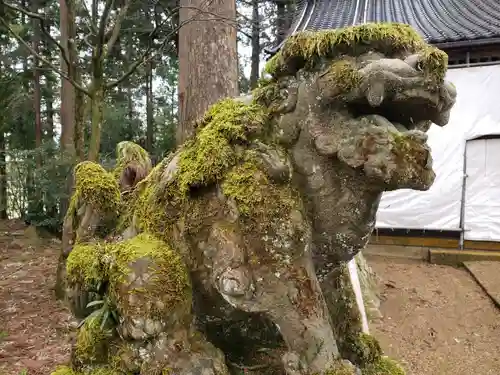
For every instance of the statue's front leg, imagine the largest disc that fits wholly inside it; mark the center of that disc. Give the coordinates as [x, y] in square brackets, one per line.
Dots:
[353, 342]
[287, 292]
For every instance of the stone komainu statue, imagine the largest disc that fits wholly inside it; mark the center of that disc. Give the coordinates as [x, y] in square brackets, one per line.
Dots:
[230, 254]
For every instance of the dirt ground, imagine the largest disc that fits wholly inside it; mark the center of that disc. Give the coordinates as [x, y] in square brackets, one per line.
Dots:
[437, 320]
[34, 327]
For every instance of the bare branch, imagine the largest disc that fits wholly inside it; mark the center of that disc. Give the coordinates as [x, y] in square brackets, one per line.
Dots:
[144, 57]
[245, 34]
[85, 40]
[42, 59]
[92, 26]
[102, 25]
[117, 27]
[142, 60]
[45, 30]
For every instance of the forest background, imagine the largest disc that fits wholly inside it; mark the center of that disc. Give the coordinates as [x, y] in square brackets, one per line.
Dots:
[79, 76]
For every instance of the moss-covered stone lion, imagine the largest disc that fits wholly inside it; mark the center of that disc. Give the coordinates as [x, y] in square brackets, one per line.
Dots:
[230, 253]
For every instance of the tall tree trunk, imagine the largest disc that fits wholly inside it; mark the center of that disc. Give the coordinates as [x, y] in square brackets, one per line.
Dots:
[51, 204]
[80, 119]
[208, 61]
[149, 108]
[37, 97]
[35, 206]
[97, 115]
[96, 105]
[79, 97]
[3, 164]
[3, 177]
[49, 102]
[254, 72]
[130, 102]
[67, 100]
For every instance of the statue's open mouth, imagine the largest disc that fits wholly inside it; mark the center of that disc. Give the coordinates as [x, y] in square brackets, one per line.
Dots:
[402, 114]
[410, 109]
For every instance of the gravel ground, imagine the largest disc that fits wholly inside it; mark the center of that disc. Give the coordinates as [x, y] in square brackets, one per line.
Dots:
[437, 320]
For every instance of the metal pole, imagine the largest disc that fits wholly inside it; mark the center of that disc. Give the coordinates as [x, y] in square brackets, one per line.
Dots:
[462, 201]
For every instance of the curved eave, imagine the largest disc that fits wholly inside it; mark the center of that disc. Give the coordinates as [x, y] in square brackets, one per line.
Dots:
[444, 23]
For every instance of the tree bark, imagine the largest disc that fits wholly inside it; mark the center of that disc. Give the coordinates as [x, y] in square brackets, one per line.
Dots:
[149, 108]
[130, 102]
[208, 61]
[96, 104]
[37, 98]
[254, 72]
[80, 117]
[35, 203]
[97, 109]
[67, 113]
[3, 177]
[49, 102]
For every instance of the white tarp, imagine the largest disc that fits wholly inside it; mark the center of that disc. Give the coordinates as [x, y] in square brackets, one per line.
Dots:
[476, 113]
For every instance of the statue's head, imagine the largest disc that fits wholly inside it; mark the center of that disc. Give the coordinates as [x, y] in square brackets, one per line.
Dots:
[366, 95]
[133, 164]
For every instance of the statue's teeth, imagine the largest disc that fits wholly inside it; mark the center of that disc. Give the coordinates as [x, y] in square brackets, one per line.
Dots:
[375, 94]
[382, 122]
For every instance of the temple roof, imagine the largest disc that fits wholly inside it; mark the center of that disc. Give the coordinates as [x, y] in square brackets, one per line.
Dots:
[438, 21]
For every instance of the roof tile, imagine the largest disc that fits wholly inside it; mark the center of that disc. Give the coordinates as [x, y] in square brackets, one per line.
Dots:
[437, 21]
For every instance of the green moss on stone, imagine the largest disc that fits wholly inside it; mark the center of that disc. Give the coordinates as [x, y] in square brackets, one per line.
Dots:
[84, 265]
[130, 152]
[241, 184]
[307, 48]
[268, 94]
[340, 368]
[384, 366]
[169, 274]
[206, 158]
[254, 194]
[221, 136]
[347, 321]
[105, 370]
[365, 348]
[148, 206]
[354, 345]
[95, 186]
[344, 75]
[92, 342]
[64, 370]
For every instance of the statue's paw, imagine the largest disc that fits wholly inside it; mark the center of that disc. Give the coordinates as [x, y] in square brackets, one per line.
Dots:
[140, 328]
[293, 364]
